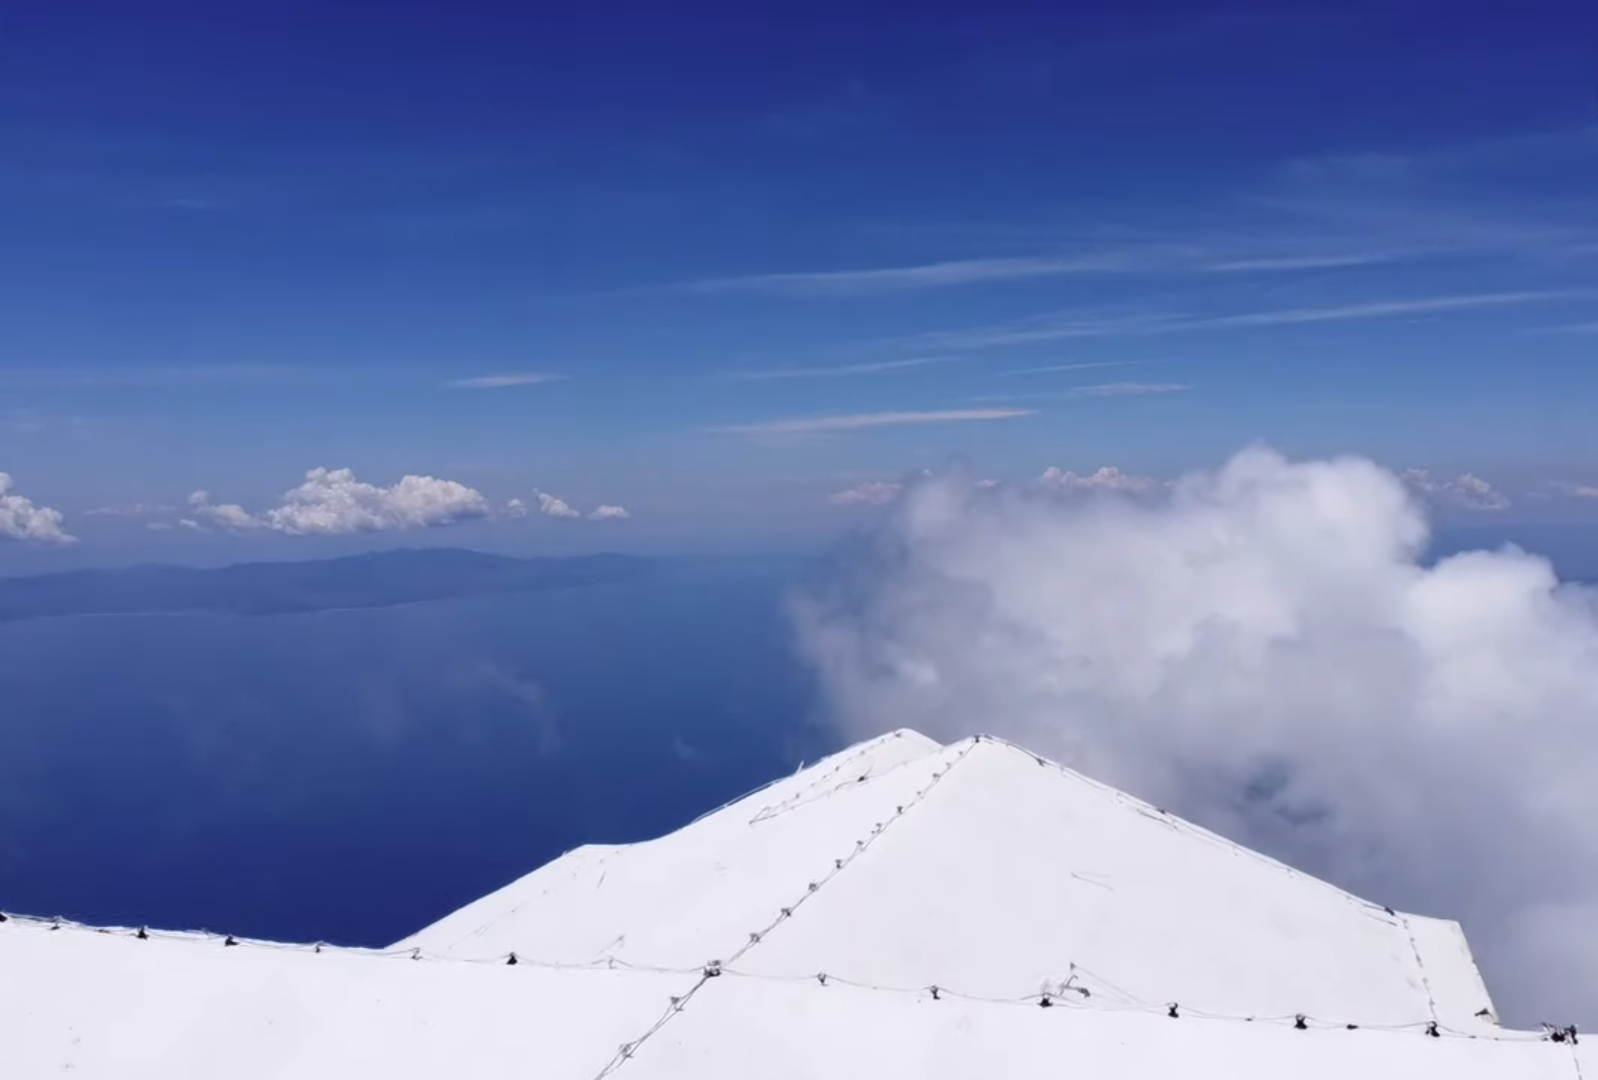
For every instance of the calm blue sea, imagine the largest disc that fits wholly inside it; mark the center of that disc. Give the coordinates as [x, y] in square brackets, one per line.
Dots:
[350, 776]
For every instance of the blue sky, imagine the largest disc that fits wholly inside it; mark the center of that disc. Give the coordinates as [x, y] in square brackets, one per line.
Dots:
[720, 267]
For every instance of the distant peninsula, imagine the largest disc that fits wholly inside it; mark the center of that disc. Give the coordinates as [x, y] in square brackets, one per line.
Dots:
[380, 579]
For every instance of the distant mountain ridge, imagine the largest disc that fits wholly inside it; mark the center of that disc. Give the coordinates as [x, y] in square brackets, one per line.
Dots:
[379, 579]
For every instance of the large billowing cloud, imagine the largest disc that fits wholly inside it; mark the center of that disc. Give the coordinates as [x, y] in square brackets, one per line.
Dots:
[22, 519]
[1265, 649]
[333, 501]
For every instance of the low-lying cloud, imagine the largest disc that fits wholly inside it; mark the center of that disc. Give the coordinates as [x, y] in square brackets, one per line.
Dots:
[1265, 649]
[22, 519]
[1467, 490]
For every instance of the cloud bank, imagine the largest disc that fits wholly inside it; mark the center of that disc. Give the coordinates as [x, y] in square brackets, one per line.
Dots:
[1264, 649]
[333, 501]
[21, 519]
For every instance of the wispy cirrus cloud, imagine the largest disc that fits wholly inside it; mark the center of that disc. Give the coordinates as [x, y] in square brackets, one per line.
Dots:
[903, 278]
[1053, 327]
[1283, 263]
[1060, 327]
[816, 425]
[1108, 259]
[884, 367]
[1572, 328]
[1128, 389]
[1048, 368]
[156, 377]
[1384, 309]
[500, 382]
[1095, 390]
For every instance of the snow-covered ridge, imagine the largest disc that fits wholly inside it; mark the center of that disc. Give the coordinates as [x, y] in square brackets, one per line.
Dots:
[899, 909]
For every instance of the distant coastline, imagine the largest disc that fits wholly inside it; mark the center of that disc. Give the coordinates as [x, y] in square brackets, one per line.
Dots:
[379, 579]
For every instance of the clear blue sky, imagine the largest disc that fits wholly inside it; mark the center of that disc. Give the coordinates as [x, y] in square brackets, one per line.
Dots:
[242, 241]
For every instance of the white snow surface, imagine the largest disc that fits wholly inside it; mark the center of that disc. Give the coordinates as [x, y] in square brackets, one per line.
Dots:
[899, 909]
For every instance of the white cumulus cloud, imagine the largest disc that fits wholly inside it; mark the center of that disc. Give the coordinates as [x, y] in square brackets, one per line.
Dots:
[1107, 478]
[1266, 649]
[22, 519]
[333, 501]
[551, 506]
[223, 516]
[556, 507]
[1466, 489]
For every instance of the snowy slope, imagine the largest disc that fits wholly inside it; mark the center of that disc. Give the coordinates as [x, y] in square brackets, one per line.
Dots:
[104, 1006]
[1025, 874]
[93, 1005]
[801, 1031]
[898, 910]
